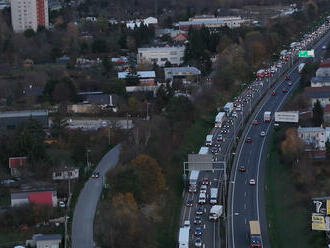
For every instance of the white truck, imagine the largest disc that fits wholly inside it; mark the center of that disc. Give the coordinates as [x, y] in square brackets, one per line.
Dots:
[193, 179]
[267, 116]
[184, 237]
[219, 119]
[228, 108]
[215, 212]
[209, 140]
[301, 67]
[213, 195]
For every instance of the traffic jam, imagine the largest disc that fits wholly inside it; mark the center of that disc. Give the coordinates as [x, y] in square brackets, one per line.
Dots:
[202, 201]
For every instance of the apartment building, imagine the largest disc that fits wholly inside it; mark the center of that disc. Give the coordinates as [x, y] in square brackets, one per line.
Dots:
[29, 14]
[160, 55]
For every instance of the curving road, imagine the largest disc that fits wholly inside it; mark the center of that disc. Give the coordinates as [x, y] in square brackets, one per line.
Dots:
[246, 202]
[84, 212]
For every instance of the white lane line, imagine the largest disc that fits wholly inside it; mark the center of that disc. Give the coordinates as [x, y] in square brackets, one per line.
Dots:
[245, 221]
[245, 194]
[244, 205]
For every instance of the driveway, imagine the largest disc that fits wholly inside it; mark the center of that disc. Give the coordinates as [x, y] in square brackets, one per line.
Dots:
[84, 212]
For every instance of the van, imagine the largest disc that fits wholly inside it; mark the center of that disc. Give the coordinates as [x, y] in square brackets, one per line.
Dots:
[202, 198]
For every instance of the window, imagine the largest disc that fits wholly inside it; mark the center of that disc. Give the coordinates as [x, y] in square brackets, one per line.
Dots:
[163, 59]
[70, 174]
[58, 174]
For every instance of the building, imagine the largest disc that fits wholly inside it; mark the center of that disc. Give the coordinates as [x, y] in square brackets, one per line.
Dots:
[318, 93]
[65, 174]
[320, 81]
[160, 55]
[104, 101]
[40, 197]
[137, 23]
[181, 72]
[181, 37]
[212, 22]
[29, 14]
[12, 119]
[45, 241]
[16, 164]
[146, 78]
[313, 137]
[324, 69]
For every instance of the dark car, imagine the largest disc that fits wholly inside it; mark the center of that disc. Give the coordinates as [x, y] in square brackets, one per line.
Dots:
[205, 181]
[198, 231]
[284, 90]
[197, 220]
[273, 93]
[96, 175]
[189, 203]
[242, 168]
[287, 77]
[200, 211]
[248, 140]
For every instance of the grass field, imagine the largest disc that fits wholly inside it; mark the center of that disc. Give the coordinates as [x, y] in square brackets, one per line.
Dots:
[289, 221]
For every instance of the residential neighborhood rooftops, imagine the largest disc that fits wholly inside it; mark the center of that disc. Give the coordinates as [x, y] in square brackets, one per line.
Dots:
[140, 74]
[318, 92]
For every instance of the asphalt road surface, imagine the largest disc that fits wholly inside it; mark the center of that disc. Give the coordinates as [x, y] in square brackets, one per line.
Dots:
[247, 201]
[84, 212]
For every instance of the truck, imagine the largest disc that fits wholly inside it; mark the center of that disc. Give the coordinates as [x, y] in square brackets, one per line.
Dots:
[301, 67]
[213, 195]
[209, 140]
[255, 234]
[219, 119]
[287, 116]
[228, 108]
[193, 179]
[184, 237]
[267, 116]
[215, 212]
[260, 73]
[203, 150]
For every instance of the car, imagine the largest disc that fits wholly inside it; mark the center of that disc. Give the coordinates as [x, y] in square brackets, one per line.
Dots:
[289, 83]
[200, 211]
[198, 242]
[186, 223]
[263, 134]
[255, 122]
[96, 175]
[189, 203]
[287, 77]
[205, 181]
[242, 168]
[61, 204]
[273, 93]
[284, 90]
[198, 231]
[252, 182]
[248, 140]
[324, 47]
[203, 188]
[197, 220]
[234, 114]
[219, 137]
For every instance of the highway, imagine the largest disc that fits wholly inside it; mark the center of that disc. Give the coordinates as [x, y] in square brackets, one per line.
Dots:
[244, 199]
[247, 201]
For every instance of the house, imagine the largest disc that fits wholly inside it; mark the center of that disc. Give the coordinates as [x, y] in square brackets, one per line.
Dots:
[181, 72]
[40, 197]
[45, 241]
[320, 81]
[181, 37]
[12, 119]
[105, 101]
[313, 137]
[137, 23]
[145, 77]
[160, 55]
[324, 69]
[318, 93]
[65, 174]
[16, 164]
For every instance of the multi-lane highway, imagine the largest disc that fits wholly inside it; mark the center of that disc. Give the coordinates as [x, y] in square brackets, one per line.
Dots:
[246, 201]
[243, 198]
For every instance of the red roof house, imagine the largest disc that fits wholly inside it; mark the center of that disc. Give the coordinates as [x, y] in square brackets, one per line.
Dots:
[41, 198]
[16, 163]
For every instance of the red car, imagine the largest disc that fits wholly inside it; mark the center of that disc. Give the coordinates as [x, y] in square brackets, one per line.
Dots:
[248, 140]
[255, 122]
[273, 93]
[287, 77]
[284, 90]
[242, 169]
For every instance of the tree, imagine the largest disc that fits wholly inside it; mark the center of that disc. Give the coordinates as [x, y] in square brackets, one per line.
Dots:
[292, 147]
[180, 109]
[317, 114]
[60, 90]
[107, 65]
[99, 46]
[29, 33]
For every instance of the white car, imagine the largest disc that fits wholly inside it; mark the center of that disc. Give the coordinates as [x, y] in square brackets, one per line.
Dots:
[61, 204]
[252, 182]
[263, 134]
[324, 47]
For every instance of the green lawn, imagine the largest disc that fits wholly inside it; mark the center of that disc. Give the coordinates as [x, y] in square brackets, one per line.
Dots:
[289, 221]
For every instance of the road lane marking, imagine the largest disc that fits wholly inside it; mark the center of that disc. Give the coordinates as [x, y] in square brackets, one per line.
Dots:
[244, 205]
[245, 194]
[245, 221]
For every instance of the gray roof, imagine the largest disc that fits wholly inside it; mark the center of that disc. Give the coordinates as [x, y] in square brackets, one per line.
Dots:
[38, 237]
[140, 74]
[174, 48]
[182, 70]
[310, 129]
[320, 79]
[201, 22]
[23, 113]
[318, 92]
[104, 99]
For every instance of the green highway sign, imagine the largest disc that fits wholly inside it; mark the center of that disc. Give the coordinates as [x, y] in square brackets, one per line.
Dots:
[306, 54]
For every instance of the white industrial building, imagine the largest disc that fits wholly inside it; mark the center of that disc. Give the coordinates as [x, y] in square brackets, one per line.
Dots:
[313, 136]
[29, 14]
[160, 55]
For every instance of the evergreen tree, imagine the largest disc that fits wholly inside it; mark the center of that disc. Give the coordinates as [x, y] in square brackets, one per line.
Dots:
[317, 114]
